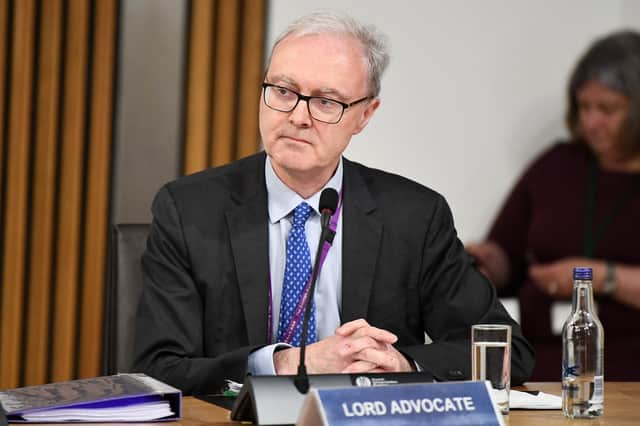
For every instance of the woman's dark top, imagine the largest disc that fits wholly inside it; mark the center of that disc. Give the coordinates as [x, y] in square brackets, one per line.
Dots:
[543, 220]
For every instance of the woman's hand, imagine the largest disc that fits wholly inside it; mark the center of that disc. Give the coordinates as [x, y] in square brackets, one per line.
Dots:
[556, 278]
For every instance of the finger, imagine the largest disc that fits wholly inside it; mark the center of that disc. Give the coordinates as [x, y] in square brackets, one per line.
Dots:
[323, 356]
[351, 326]
[352, 346]
[360, 328]
[362, 367]
[548, 287]
[541, 275]
[472, 248]
[478, 252]
[376, 333]
[535, 271]
[384, 359]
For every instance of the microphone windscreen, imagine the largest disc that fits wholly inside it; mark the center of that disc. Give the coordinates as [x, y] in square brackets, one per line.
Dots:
[328, 200]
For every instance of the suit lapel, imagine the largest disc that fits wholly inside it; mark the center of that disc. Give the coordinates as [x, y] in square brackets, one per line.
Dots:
[248, 231]
[362, 236]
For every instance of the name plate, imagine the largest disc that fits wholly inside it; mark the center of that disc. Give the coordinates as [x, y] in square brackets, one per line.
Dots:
[448, 403]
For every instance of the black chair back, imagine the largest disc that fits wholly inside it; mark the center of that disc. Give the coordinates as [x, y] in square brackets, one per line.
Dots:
[124, 288]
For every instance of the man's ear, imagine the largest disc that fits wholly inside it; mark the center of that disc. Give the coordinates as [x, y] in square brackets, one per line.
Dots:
[366, 115]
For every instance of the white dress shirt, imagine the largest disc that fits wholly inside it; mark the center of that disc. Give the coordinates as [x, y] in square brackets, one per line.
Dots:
[328, 293]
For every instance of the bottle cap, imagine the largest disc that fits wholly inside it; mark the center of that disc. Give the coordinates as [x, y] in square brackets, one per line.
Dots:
[582, 273]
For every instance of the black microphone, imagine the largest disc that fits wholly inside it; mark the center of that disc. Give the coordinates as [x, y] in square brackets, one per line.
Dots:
[327, 206]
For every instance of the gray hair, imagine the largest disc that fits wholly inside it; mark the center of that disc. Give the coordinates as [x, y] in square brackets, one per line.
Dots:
[374, 42]
[614, 61]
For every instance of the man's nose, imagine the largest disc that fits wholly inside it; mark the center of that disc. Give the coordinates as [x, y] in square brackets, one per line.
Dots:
[300, 116]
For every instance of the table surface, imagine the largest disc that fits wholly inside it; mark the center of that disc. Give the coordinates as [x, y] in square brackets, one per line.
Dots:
[619, 409]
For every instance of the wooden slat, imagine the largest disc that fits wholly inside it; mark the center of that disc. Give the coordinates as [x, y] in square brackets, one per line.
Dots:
[17, 189]
[97, 197]
[44, 193]
[225, 83]
[198, 104]
[252, 55]
[3, 61]
[70, 198]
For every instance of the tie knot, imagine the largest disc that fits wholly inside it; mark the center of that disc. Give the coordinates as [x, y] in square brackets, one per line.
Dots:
[301, 214]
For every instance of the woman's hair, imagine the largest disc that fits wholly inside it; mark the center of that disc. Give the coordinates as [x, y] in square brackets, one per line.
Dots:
[614, 61]
[374, 42]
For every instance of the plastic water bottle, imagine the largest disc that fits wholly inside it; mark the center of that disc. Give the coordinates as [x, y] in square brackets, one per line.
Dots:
[582, 352]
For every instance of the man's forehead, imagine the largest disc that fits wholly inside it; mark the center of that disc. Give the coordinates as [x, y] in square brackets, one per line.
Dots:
[318, 86]
[322, 63]
[318, 45]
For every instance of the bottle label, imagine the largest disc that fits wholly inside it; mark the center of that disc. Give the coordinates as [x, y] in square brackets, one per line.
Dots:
[570, 371]
[598, 388]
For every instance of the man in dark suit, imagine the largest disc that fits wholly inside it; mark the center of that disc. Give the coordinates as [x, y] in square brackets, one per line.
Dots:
[216, 298]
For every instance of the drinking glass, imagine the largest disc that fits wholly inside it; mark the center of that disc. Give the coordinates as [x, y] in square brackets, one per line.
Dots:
[491, 360]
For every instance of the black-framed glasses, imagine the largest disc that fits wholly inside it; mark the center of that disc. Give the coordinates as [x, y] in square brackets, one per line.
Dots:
[320, 108]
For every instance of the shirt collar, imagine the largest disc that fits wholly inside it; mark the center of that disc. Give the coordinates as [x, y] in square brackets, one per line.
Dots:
[282, 200]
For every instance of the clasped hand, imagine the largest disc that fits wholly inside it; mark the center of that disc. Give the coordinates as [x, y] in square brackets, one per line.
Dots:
[356, 347]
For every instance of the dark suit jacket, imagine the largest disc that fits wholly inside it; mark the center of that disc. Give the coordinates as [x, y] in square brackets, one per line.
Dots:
[205, 301]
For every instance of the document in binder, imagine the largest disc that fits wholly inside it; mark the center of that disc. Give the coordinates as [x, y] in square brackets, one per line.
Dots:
[117, 398]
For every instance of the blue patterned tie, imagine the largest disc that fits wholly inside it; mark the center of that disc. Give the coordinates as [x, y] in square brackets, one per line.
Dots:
[296, 275]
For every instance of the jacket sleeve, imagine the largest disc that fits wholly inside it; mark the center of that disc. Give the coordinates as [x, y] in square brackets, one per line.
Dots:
[454, 296]
[169, 325]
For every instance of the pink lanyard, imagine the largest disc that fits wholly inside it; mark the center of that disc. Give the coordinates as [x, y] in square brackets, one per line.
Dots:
[297, 315]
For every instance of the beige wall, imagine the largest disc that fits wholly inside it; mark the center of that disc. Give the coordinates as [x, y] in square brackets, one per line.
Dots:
[474, 90]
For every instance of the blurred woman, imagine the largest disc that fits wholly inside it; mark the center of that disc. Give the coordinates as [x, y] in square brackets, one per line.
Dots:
[578, 204]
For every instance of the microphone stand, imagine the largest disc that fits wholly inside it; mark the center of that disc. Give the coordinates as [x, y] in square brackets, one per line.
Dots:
[302, 378]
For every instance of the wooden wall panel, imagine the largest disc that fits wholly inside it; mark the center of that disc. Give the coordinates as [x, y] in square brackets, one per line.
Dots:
[44, 192]
[97, 197]
[198, 98]
[4, 33]
[71, 186]
[252, 58]
[57, 73]
[223, 92]
[58, 91]
[16, 191]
